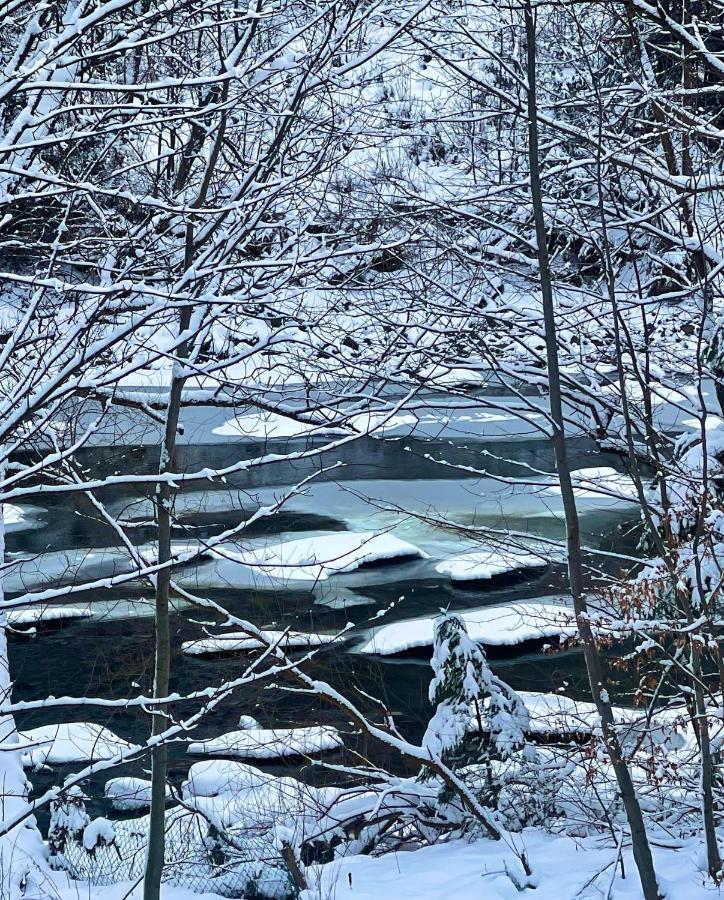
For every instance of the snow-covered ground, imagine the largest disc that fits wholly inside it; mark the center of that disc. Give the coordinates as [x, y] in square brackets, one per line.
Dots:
[563, 868]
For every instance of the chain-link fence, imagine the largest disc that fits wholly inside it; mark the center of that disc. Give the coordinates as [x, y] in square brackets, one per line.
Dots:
[199, 857]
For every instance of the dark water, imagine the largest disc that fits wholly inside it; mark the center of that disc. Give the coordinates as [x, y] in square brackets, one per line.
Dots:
[106, 657]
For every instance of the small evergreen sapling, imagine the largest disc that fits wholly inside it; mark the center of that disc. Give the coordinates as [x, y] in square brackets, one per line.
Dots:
[478, 717]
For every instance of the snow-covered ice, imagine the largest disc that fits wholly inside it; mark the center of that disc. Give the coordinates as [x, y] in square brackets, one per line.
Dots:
[270, 743]
[229, 792]
[478, 565]
[236, 642]
[491, 625]
[127, 793]
[275, 426]
[70, 742]
[313, 558]
[41, 615]
[21, 517]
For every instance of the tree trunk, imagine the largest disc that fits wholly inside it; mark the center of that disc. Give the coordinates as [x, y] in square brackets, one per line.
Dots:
[641, 848]
[701, 726]
[166, 493]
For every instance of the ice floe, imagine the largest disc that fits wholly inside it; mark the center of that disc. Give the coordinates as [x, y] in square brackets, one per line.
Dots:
[21, 518]
[601, 482]
[128, 793]
[494, 626]
[236, 642]
[70, 742]
[26, 619]
[270, 743]
[276, 426]
[311, 558]
[479, 565]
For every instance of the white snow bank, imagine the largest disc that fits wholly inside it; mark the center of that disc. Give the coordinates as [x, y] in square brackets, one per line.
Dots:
[275, 426]
[316, 558]
[127, 793]
[236, 642]
[555, 714]
[476, 565]
[266, 426]
[229, 792]
[41, 615]
[600, 482]
[70, 742]
[563, 868]
[492, 625]
[270, 743]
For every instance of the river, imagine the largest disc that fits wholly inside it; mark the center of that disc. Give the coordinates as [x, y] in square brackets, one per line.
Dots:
[110, 654]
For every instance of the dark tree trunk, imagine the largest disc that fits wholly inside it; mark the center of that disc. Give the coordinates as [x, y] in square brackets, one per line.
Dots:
[641, 848]
[165, 499]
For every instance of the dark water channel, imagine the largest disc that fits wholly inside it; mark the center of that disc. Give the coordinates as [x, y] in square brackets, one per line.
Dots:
[110, 656]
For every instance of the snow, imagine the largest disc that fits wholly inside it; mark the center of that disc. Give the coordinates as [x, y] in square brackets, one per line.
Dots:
[270, 743]
[236, 642]
[128, 793]
[275, 426]
[99, 830]
[601, 482]
[711, 422]
[477, 565]
[564, 868]
[316, 558]
[491, 625]
[267, 425]
[70, 742]
[21, 517]
[229, 792]
[556, 714]
[37, 615]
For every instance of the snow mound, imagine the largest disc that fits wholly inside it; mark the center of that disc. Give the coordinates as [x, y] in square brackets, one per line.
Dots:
[129, 793]
[270, 743]
[554, 715]
[495, 626]
[229, 793]
[477, 565]
[316, 558]
[276, 426]
[268, 426]
[35, 615]
[240, 642]
[100, 830]
[70, 742]
[600, 482]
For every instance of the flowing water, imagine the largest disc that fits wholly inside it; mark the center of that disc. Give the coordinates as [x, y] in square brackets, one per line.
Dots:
[111, 654]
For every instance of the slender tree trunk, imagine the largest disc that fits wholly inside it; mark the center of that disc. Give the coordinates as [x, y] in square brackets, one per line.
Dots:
[641, 848]
[707, 765]
[165, 499]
